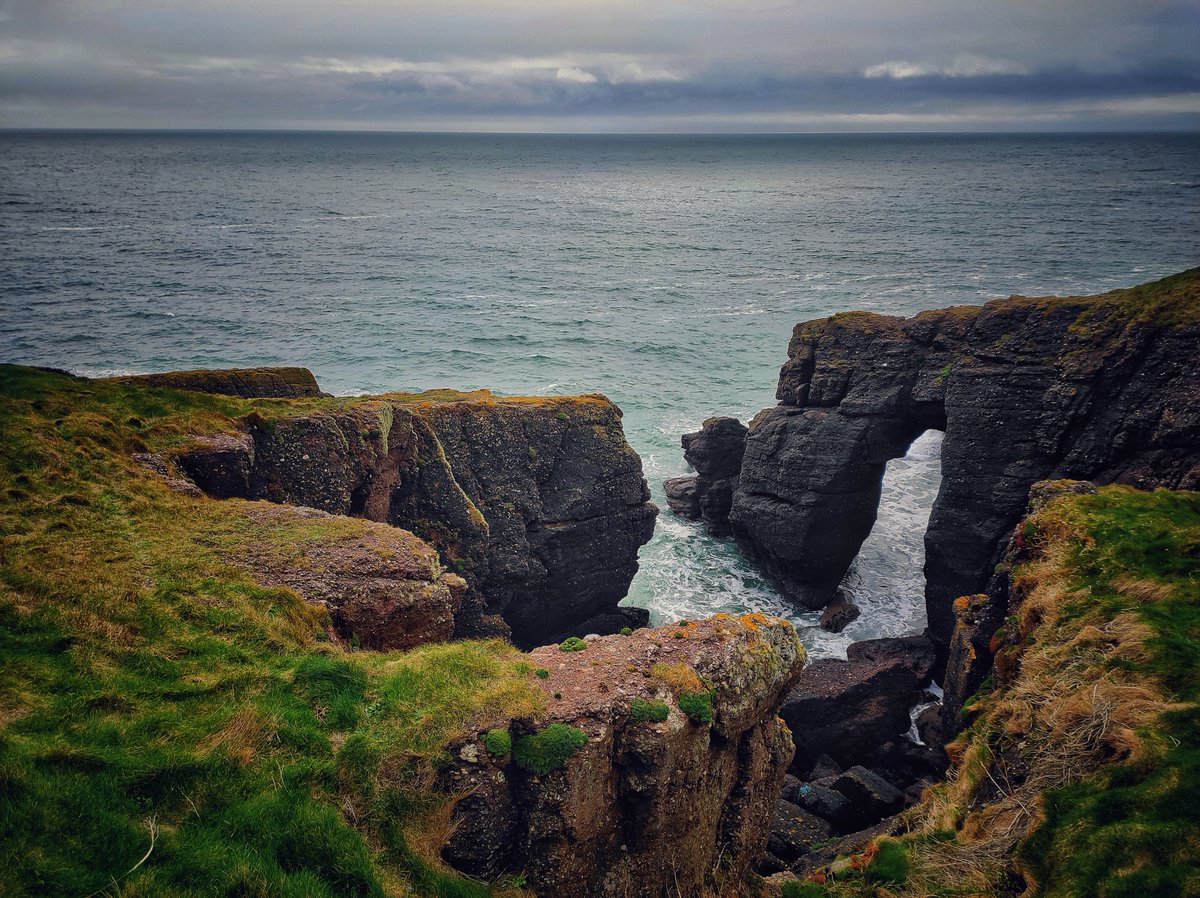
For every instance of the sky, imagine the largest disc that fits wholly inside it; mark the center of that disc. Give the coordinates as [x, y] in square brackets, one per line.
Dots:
[587, 65]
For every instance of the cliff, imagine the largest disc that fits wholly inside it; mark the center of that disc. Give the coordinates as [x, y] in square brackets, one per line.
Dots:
[1078, 768]
[1101, 388]
[538, 503]
[192, 701]
[671, 783]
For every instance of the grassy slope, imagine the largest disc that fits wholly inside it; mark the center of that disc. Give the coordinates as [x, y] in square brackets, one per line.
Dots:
[162, 713]
[1081, 769]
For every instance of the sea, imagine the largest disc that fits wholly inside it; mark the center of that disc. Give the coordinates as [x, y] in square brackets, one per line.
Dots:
[664, 271]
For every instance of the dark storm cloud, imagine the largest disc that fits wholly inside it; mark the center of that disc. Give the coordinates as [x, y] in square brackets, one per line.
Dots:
[583, 64]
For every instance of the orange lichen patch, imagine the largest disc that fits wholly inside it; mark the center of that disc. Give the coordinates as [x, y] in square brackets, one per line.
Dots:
[678, 676]
[962, 603]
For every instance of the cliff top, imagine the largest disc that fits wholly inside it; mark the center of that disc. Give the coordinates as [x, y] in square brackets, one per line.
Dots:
[165, 685]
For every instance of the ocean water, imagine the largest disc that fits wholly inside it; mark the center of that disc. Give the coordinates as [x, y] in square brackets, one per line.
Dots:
[666, 272]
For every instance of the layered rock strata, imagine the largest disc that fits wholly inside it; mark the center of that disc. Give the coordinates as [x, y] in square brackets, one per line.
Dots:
[538, 504]
[1102, 388]
[672, 784]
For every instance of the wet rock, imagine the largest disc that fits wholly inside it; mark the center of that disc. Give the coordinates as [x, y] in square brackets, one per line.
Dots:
[637, 792]
[794, 830]
[930, 729]
[715, 451]
[824, 767]
[1099, 388]
[828, 804]
[839, 613]
[682, 497]
[846, 709]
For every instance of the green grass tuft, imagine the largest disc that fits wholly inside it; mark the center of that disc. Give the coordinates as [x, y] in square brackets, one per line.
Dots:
[698, 706]
[549, 749]
[890, 864]
[654, 709]
[498, 742]
[572, 644]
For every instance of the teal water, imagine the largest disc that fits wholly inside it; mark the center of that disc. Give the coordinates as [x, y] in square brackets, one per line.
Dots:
[666, 272]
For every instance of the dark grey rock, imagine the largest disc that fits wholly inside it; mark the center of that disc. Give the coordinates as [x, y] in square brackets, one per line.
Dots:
[682, 497]
[846, 709]
[1089, 388]
[839, 613]
[715, 451]
[871, 797]
[794, 830]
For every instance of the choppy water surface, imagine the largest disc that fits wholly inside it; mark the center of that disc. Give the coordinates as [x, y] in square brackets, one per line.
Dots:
[665, 272]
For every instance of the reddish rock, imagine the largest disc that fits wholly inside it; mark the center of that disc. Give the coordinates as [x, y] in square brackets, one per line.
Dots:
[643, 808]
[384, 588]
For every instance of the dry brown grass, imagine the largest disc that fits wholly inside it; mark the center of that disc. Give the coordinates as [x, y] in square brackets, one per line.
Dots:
[1152, 591]
[242, 736]
[1069, 711]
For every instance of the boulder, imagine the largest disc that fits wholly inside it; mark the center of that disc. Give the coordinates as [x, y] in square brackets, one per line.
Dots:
[642, 807]
[793, 831]
[385, 588]
[828, 804]
[871, 798]
[839, 613]
[846, 709]
[682, 497]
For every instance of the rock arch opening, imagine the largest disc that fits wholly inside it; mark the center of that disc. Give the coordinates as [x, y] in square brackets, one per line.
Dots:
[886, 580]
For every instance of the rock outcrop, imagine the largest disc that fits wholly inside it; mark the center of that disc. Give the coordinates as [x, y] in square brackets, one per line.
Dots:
[715, 452]
[1103, 388]
[669, 764]
[248, 383]
[844, 710]
[539, 504]
[385, 588]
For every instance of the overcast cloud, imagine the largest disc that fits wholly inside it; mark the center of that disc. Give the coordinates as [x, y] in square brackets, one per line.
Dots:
[589, 65]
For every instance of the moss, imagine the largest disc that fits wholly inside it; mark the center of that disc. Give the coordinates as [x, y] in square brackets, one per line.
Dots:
[548, 749]
[794, 888]
[698, 706]
[498, 742]
[890, 864]
[572, 644]
[654, 709]
[626, 631]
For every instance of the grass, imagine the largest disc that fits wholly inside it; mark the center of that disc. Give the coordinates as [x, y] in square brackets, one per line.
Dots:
[655, 710]
[548, 749]
[1080, 773]
[170, 727]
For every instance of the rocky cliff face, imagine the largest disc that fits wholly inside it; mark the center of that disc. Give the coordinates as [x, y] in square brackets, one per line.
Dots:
[539, 504]
[654, 772]
[1103, 388]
